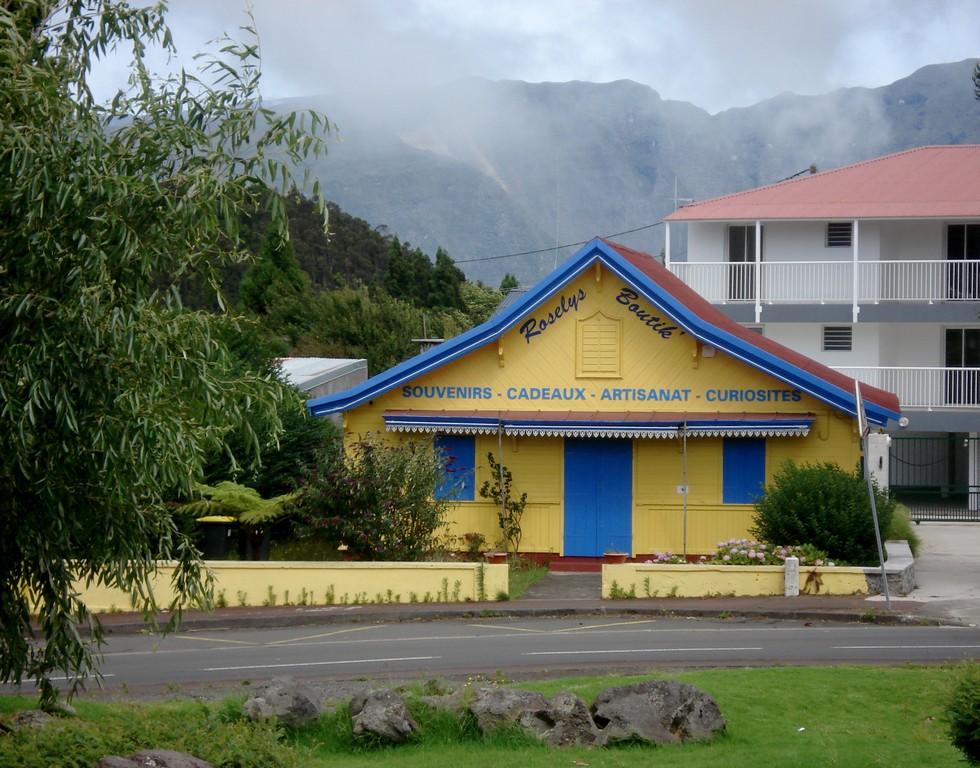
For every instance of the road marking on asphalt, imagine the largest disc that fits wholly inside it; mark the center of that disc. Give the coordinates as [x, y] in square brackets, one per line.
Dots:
[563, 630]
[904, 647]
[320, 636]
[222, 640]
[321, 663]
[636, 650]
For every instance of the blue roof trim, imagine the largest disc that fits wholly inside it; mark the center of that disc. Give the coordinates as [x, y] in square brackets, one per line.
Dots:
[458, 346]
[599, 251]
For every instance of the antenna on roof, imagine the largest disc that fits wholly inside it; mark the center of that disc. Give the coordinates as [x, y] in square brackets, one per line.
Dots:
[677, 199]
[811, 170]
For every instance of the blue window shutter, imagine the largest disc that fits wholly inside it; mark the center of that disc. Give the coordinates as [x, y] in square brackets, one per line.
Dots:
[459, 480]
[743, 469]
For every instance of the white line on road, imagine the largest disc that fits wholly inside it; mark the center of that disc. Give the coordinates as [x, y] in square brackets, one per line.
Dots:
[635, 650]
[321, 663]
[904, 647]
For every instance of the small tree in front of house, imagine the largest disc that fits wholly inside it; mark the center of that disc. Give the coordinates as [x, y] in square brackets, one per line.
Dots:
[510, 508]
[377, 499]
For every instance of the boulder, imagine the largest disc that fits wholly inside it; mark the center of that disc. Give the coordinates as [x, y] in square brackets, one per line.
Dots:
[383, 715]
[496, 708]
[153, 758]
[290, 703]
[660, 711]
[564, 722]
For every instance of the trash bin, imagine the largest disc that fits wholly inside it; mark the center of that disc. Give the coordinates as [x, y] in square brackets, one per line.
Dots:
[216, 530]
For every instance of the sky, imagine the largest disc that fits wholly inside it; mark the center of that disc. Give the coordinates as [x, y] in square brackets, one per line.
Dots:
[716, 54]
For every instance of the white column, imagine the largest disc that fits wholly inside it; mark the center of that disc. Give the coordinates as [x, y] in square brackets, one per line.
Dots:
[855, 309]
[791, 577]
[758, 271]
[877, 458]
[973, 499]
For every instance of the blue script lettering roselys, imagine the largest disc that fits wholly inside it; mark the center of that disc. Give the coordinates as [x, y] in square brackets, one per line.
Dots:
[534, 326]
[627, 297]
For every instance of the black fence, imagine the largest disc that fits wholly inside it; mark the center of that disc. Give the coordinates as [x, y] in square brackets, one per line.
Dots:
[930, 476]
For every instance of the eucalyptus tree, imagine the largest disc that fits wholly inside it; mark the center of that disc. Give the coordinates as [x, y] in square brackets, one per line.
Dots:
[111, 393]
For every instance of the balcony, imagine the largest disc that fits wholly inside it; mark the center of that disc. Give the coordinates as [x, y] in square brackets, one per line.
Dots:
[832, 282]
[923, 388]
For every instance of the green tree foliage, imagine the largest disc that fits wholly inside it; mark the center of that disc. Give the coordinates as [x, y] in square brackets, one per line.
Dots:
[447, 283]
[480, 301]
[377, 498]
[360, 323]
[275, 287]
[822, 505]
[112, 394]
[962, 712]
[508, 283]
[976, 81]
[288, 454]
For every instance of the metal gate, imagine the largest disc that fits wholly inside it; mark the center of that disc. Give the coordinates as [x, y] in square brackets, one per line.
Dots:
[932, 477]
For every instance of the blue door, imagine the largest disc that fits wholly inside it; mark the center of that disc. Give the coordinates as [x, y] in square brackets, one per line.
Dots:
[598, 496]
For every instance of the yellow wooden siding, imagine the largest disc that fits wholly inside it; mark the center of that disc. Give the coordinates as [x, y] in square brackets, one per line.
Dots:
[536, 367]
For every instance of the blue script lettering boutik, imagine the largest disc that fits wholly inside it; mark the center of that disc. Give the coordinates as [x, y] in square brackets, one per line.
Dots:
[534, 326]
[627, 297]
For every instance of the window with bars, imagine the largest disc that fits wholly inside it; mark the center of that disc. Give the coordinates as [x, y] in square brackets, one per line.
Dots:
[839, 234]
[837, 338]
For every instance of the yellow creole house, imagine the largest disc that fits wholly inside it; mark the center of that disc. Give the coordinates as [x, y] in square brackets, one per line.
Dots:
[636, 416]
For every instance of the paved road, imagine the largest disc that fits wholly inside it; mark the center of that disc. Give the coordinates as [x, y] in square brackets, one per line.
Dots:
[517, 647]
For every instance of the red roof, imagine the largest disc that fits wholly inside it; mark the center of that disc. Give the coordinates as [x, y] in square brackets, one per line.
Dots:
[708, 312]
[924, 183]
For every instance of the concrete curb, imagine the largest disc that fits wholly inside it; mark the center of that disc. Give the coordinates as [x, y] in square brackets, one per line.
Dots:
[848, 609]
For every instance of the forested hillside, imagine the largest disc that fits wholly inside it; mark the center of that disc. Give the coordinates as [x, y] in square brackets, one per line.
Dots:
[352, 291]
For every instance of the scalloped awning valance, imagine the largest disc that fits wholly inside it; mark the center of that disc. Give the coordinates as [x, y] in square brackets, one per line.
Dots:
[629, 424]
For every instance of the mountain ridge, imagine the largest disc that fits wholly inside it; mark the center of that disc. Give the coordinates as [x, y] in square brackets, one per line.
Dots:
[487, 169]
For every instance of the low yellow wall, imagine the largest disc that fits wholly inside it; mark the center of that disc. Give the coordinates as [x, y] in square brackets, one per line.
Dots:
[648, 580]
[305, 583]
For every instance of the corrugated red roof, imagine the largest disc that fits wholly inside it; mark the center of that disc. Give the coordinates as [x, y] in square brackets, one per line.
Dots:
[709, 313]
[924, 183]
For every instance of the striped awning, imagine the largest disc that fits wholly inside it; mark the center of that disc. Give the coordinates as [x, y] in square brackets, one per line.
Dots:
[628, 424]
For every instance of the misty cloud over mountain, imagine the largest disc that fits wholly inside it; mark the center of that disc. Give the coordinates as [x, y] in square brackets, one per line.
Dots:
[488, 169]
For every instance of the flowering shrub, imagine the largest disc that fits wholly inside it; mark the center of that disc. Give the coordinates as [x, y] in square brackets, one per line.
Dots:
[748, 552]
[826, 506]
[666, 558]
[377, 498]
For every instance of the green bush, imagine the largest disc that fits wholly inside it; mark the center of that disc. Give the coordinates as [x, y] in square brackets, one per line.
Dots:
[903, 529]
[377, 498]
[822, 505]
[962, 711]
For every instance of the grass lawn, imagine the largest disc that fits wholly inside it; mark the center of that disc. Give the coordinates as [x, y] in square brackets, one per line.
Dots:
[804, 716]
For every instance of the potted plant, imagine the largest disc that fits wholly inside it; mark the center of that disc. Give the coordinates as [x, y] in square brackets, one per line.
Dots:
[615, 556]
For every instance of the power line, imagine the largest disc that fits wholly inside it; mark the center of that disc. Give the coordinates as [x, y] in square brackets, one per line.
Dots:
[554, 247]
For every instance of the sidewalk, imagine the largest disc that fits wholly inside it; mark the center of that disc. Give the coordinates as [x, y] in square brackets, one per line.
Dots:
[947, 569]
[802, 608]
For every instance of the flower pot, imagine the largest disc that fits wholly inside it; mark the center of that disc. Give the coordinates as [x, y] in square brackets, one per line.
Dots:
[495, 557]
[616, 557]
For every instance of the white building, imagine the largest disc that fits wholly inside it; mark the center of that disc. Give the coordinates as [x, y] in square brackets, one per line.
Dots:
[872, 269]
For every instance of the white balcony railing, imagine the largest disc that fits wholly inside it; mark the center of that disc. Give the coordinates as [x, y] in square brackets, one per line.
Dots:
[832, 282]
[923, 388]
